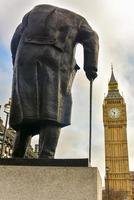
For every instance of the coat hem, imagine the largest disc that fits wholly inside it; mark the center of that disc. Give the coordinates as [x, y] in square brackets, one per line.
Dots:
[36, 124]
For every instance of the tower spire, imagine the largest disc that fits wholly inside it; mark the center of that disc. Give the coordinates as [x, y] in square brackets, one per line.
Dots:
[112, 79]
[111, 66]
[113, 91]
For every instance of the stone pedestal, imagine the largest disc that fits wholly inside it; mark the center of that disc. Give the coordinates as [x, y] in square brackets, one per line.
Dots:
[49, 183]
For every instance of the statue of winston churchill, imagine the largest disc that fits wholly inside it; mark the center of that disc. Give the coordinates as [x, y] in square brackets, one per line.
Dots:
[44, 67]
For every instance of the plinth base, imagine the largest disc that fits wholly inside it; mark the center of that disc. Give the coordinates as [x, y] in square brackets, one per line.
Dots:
[45, 162]
[49, 183]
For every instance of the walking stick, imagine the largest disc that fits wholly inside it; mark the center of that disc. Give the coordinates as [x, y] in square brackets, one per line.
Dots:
[90, 122]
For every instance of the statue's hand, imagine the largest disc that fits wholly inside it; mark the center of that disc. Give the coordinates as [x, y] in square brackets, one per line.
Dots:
[91, 75]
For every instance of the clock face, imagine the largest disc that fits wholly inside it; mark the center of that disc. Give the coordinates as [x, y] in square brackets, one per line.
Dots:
[114, 113]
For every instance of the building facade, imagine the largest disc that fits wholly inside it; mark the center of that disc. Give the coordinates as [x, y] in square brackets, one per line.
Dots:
[116, 149]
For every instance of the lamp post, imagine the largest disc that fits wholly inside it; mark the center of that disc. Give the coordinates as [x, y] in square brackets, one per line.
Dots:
[107, 178]
[7, 111]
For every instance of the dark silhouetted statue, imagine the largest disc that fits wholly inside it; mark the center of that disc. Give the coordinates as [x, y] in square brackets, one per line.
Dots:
[44, 67]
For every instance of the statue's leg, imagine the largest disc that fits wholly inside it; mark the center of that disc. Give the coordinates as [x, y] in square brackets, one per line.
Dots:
[48, 140]
[22, 140]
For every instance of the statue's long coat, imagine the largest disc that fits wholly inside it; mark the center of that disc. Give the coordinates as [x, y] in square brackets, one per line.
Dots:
[43, 48]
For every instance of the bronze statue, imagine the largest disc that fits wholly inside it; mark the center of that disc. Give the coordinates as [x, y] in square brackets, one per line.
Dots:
[43, 48]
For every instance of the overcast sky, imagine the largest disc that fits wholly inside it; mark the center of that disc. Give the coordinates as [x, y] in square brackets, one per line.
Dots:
[113, 20]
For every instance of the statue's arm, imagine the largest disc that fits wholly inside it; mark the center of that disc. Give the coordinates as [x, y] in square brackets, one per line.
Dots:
[90, 41]
[15, 41]
[17, 36]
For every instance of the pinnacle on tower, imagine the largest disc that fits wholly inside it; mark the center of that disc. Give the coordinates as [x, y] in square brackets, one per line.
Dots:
[113, 85]
[112, 79]
[113, 91]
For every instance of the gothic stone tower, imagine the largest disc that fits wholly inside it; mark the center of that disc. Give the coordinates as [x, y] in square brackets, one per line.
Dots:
[116, 150]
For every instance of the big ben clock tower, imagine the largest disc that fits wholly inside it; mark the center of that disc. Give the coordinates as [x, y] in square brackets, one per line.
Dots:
[116, 149]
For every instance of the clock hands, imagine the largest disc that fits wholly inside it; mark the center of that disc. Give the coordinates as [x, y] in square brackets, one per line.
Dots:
[114, 113]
